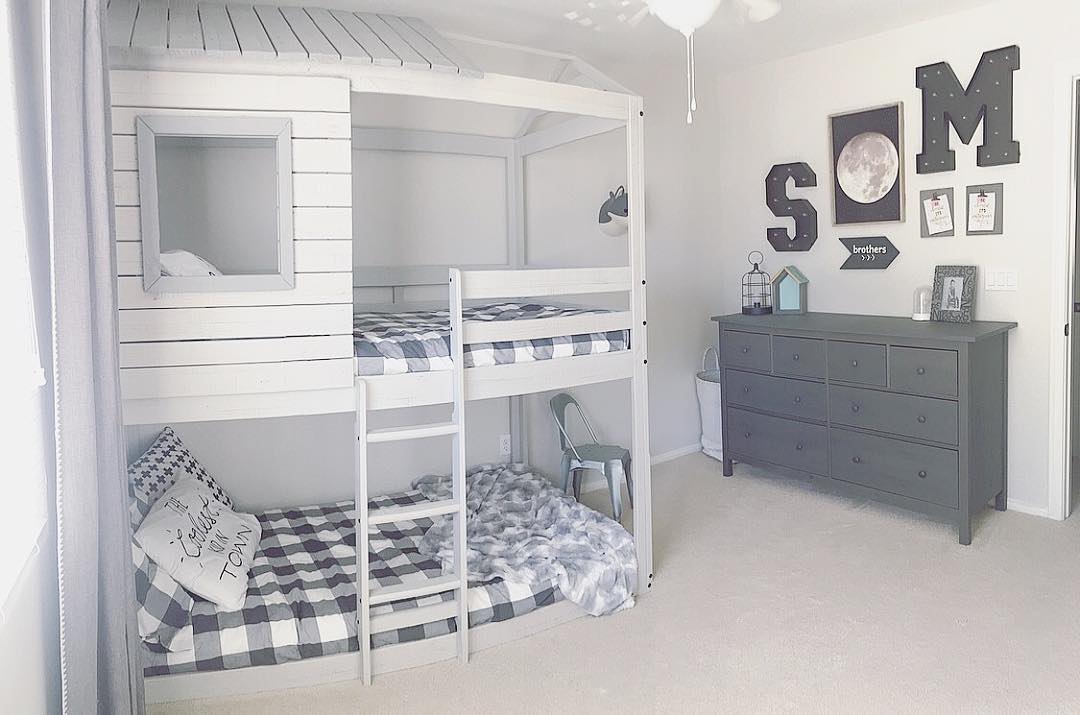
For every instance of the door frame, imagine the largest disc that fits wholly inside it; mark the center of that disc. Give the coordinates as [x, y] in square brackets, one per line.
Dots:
[1066, 122]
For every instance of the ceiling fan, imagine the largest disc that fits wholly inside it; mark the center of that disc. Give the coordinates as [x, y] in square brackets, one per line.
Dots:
[686, 16]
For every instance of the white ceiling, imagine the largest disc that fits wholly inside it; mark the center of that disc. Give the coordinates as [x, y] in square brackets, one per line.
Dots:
[802, 25]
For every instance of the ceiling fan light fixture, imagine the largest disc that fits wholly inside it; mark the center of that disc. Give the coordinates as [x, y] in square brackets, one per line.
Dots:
[761, 10]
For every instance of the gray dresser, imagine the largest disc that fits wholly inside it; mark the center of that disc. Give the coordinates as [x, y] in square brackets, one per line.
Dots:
[913, 414]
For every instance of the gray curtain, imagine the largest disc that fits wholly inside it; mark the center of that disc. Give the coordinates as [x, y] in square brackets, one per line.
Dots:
[97, 625]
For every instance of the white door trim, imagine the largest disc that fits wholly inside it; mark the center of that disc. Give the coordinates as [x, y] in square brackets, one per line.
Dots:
[1065, 118]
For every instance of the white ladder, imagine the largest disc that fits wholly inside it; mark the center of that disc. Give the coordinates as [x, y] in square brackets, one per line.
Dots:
[458, 580]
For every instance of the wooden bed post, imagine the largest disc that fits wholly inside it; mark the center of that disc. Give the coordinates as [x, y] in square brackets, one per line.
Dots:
[640, 464]
[360, 489]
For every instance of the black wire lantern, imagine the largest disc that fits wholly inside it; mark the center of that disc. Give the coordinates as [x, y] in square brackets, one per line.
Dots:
[756, 288]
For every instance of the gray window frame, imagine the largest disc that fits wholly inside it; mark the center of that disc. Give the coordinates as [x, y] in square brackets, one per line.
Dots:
[147, 129]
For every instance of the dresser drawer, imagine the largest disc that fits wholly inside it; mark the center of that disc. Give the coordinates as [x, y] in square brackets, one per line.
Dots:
[750, 350]
[797, 398]
[926, 473]
[920, 417]
[863, 363]
[922, 371]
[785, 442]
[801, 357]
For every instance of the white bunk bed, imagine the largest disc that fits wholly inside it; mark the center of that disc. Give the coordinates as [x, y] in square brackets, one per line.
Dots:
[233, 355]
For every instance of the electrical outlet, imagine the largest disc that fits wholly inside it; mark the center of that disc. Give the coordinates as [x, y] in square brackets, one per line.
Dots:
[505, 446]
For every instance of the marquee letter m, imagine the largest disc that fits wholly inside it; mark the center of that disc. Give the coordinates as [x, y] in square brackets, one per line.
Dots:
[987, 99]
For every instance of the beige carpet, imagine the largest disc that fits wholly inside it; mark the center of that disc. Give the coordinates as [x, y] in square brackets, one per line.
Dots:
[773, 597]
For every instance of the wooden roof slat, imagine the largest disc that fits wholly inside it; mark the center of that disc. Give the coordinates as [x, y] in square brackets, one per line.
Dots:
[151, 26]
[380, 53]
[418, 42]
[449, 50]
[410, 58]
[349, 49]
[253, 40]
[218, 35]
[121, 22]
[316, 44]
[185, 29]
[281, 35]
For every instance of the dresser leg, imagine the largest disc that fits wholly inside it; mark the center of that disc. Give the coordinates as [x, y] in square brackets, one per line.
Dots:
[964, 527]
[729, 467]
[1001, 501]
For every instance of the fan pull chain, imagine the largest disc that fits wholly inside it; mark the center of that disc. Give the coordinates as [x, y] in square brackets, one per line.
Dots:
[693, 75]
[689, 80]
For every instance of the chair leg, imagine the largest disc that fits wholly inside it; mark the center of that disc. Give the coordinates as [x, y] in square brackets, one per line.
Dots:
[566, 472]
[578, 473]
[629, 480]
[613, 472]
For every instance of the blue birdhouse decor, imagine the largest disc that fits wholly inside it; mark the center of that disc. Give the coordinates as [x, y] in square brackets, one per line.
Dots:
[615, 213]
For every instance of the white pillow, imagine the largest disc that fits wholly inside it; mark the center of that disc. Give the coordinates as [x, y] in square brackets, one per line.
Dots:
[201, 543]
[186, 263]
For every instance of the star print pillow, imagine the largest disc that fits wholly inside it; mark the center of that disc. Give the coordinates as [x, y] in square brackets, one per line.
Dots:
[203, 544]
[160, 466]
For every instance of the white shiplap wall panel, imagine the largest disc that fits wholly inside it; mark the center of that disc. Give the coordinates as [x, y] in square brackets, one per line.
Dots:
[311, 289]
[192, 380]
[326, 155]
[322, 224]
[230, 352]
[226, 323]
[305, 125]
[237, 349]
[328, 190]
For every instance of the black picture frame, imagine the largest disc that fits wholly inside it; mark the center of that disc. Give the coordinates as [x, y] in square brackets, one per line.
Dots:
[886, 120]
[954, 294]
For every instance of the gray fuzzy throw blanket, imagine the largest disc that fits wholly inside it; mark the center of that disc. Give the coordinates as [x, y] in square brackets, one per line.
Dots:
[523, 529]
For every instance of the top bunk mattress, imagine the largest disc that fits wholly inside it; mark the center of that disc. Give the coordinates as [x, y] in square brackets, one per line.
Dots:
[419, 341]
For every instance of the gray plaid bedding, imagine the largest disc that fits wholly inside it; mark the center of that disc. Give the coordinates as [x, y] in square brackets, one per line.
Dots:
[301, 599]
[419, 341]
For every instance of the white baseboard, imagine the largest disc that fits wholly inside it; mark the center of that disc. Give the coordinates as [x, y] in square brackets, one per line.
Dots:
[675, 453]
[1023, 508]
[594, 482]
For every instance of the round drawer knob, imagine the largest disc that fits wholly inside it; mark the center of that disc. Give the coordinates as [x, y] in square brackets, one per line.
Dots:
[746, 388]
[745, 349]
[746, 434]
[854, 363]
[856, 460]
[854, 408]
[798, 399]
[798, 447]
[922, 474]
[922, 419]
[920, 371]
[795, 356]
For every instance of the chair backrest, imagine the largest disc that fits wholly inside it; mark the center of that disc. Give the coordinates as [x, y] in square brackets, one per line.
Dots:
[558, 404]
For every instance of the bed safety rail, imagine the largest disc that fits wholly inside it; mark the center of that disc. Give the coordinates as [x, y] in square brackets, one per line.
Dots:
[541, 282]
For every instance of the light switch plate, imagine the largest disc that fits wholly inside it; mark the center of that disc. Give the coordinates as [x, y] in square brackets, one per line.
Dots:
[1001, 280]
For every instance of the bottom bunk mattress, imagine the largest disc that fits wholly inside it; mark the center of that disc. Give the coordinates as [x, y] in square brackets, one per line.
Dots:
[301, 599]
[419, 341]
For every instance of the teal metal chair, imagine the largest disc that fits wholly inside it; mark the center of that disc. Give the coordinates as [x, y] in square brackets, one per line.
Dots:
[611, 460]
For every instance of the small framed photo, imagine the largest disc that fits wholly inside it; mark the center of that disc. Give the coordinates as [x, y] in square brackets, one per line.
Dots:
[985, 209]
[954, 294]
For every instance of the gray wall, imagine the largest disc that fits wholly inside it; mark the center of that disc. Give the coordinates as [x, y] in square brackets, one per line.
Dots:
[30, 639]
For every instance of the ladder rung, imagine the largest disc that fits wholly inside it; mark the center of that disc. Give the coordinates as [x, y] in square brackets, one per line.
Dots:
[413, 616]
[412, 512]
[414, 590]
[396, 434]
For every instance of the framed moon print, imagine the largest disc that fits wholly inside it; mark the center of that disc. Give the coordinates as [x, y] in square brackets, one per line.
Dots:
[868, 165]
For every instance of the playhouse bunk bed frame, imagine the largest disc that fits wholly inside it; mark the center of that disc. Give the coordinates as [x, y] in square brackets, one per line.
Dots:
[235, 355]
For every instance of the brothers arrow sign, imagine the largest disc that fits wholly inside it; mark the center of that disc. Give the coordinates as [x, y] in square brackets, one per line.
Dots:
[872, 252]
